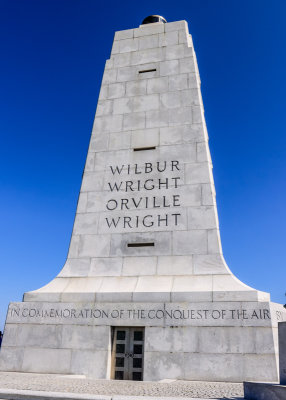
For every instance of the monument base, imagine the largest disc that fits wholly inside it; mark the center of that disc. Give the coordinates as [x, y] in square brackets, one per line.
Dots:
[261, 391]
[210, 341]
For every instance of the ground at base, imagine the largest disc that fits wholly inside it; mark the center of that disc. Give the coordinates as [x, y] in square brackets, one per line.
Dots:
[47, 386]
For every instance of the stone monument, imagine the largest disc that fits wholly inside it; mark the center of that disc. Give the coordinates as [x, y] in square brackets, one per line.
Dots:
[145, 292]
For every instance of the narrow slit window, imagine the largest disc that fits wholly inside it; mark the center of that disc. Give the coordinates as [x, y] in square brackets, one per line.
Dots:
[145, 148]
[147, 70]
[144, 244]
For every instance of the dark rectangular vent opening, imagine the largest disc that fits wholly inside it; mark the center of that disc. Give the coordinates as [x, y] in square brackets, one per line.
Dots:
[151, 244]
[147, 70]
[145, 148]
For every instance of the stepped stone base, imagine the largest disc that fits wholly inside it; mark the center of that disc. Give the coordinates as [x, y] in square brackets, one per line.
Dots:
[210, 341]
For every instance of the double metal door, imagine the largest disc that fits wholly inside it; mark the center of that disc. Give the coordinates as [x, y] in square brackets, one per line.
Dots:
[128, 354]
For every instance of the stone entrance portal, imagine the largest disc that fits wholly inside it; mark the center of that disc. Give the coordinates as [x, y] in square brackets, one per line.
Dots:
[127, 353]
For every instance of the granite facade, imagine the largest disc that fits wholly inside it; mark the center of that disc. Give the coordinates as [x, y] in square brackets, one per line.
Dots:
[145, 248]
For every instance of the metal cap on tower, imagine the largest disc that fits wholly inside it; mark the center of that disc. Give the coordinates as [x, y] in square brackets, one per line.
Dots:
[153, 18]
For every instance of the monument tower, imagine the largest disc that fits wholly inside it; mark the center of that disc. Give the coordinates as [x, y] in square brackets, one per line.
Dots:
[145, 292]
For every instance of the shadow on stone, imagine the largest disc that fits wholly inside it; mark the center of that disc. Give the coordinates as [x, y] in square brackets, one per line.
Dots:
[271, 391]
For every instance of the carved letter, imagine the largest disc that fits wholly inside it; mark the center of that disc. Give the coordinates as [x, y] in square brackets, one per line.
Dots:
[151, 222]
[115, 186]
[148, 168]
[175, 179]
[176, 199]
[138, 203]
[176, 218]
[112, 222]
[164, 166]
[136, 170]
[126, 221]
[129, 185]
[175, 164]
[116, 169]
[151, 187]
[163, 219]
[124, 202]
[162, 183]
[109, 207]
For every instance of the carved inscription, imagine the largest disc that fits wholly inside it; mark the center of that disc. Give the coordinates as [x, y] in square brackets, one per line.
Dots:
[138, 314]
[144, 196]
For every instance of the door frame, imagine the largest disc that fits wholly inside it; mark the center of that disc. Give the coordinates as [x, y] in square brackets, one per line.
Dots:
[128, 368]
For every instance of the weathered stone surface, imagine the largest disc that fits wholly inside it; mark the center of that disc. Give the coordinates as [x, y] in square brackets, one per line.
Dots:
[145, 249]
[163, 365]
[46, 360]
[90, 363]
[11, 359]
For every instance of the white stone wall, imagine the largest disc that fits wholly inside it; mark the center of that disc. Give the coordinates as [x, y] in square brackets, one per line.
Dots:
[192, 353]
[163, 195]
[161, 108]
[201, 322]
[208, 341]
[57, 349]
[210, 354]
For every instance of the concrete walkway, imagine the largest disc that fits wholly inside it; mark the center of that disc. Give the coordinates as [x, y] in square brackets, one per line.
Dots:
[23, 386]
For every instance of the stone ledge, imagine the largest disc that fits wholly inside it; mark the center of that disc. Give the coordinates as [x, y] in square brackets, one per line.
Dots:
[41, 395]
[264, 391]
[13, 394]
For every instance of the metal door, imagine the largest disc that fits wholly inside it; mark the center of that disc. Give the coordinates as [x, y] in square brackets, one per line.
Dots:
[128, 354]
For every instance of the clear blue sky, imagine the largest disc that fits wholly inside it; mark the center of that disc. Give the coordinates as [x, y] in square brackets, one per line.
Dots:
[52, 59]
